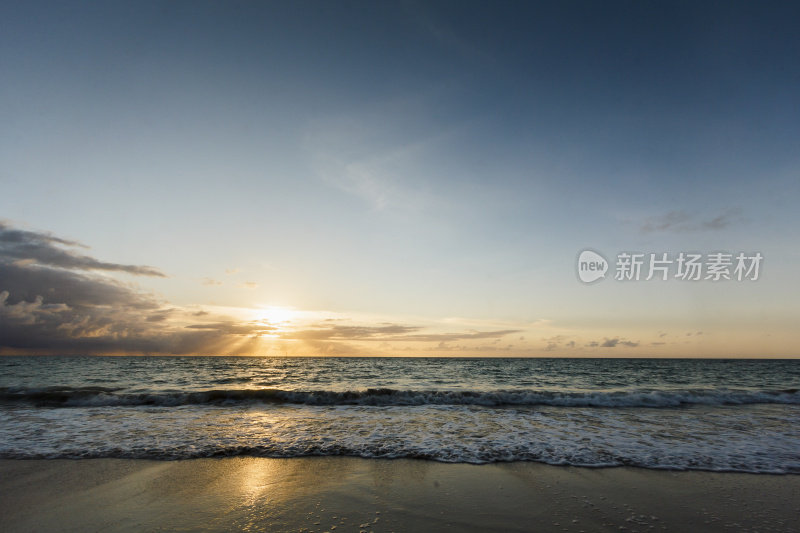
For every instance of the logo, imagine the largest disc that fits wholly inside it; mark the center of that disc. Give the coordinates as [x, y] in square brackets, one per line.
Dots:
[591, 266]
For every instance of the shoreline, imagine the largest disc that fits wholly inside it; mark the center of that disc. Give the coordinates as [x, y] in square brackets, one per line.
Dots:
[355, 494]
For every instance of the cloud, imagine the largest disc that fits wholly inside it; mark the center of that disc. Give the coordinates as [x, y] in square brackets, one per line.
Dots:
[388, 332]
[558, 341]
[682, 222]
[55, 301]
[374, 155]
[341, 332]
[27, 282]
[612, 342]
[43, 249]
[445, 35]
[235, 328]
[438, 337]
[211, 281]
[248, 285]
[160, 316]
[71, 327]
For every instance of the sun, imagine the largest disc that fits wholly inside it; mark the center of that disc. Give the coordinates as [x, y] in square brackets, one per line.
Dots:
[276, 316]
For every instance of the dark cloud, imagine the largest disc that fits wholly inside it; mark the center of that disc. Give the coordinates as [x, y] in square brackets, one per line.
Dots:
[681, 221]
[28, 282]
[43, 249]
[134, 324]
[54, 301]
[52, 326]
[9, 235]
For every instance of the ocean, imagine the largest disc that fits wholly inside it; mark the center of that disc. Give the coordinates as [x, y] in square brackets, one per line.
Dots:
[720, 415]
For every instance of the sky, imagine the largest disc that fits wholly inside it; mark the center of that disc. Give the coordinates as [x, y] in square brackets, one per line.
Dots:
[397, 178]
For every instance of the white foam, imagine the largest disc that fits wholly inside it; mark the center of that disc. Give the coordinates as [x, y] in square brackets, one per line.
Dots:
[746, 439]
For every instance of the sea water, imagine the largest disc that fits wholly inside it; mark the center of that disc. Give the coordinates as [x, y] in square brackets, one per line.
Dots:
[725, 415]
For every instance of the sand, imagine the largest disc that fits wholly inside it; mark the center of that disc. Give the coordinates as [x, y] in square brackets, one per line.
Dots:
[349, 494]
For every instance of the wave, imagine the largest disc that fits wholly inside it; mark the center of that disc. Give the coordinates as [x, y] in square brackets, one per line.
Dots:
[708, 462]
[106, 397]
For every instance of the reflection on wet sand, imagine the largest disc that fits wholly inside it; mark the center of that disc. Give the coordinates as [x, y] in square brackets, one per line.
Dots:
[351, 494]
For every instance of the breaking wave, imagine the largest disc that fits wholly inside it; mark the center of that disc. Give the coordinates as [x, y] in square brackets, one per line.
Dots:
[104, 397]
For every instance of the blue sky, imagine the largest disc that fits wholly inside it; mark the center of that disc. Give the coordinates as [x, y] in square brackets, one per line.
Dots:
[435, 166]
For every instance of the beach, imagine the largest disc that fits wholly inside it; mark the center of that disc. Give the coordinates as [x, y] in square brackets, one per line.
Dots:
[353, 494]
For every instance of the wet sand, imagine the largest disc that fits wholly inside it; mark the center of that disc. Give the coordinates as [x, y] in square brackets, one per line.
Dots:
[349, 494]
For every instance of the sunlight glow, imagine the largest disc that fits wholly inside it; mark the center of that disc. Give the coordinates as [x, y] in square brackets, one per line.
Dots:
[280, 317]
